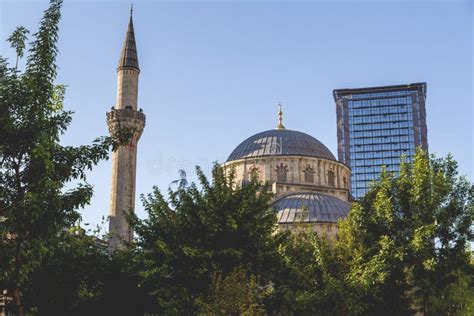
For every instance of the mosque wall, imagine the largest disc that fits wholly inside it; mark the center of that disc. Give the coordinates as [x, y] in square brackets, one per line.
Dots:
[295, 174]
[328, 230]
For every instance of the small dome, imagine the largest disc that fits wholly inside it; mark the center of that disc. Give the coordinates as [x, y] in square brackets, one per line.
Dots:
[281, 142]
[318, 208]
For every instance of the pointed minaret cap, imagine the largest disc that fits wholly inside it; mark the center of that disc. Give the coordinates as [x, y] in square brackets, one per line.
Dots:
[129, 56]
[280, 117]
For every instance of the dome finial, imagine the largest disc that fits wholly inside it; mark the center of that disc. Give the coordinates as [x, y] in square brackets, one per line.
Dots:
[131, 9]
[280, 117]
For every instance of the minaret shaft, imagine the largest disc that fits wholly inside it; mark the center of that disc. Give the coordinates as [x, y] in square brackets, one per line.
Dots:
[127, 88]
[122, 199]
[124, 116]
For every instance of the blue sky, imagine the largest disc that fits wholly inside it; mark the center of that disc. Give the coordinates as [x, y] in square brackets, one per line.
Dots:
[213, 72]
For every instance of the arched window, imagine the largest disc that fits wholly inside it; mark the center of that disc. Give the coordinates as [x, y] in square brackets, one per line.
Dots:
[344, 181]
[309, 174]
[331, 178]
[254, 173]
[281, 171]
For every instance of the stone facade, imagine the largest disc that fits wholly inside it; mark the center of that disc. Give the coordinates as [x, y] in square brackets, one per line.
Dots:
[295, 174]
[328, 230]
[125, 115]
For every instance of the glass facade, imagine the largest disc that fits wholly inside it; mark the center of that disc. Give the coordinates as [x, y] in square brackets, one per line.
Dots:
[376, 127]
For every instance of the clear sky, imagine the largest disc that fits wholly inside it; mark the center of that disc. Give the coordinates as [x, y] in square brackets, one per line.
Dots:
[213, 72]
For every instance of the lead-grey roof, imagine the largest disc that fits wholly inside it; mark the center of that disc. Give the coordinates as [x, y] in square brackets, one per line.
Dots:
[281, 142]
[129, 56]
[318, 208]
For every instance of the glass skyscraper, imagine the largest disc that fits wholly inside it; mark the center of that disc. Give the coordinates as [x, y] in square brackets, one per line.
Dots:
[376, 126]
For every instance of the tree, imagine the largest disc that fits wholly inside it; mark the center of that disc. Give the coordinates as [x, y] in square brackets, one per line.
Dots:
[308, 284]
[78, 276]
[72, 276]
[443, 204]
[405, 245]
[202, 231]
[34, 167]
[234, 294]
[369, 254]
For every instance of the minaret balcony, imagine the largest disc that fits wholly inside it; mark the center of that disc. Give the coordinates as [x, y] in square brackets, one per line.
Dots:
[126, 118]
[125, 114]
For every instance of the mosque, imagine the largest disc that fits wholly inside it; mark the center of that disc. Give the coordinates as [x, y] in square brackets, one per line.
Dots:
[309, 185]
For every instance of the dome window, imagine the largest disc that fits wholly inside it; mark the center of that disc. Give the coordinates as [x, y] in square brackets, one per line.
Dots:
[281, 171]
[309, 174]
[331, 178]
[254, 173]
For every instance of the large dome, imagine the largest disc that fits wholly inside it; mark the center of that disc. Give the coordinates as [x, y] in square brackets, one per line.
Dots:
[281, 142]
[310, 207]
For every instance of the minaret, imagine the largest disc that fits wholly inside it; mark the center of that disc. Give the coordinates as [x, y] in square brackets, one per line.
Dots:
[124, 158]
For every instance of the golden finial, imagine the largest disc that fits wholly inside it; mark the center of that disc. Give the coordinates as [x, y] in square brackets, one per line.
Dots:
[280, 117]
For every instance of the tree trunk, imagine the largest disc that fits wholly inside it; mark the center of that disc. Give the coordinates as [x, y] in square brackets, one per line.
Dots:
[16, 289]
[425, 305]
[17, 300]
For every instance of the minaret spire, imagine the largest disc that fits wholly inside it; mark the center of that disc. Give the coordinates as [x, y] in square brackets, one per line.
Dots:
[129, 56]
[280, 117]
[125, 114]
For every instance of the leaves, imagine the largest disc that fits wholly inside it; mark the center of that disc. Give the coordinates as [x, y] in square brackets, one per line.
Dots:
[235, 294]
[401, 243]
[198, 232]
[17, 41]
[34, 167]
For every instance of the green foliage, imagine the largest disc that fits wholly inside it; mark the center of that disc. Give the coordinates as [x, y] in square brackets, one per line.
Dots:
[78, 276]
[372, 268]
[198, 232]
[308, 283]
[34, 167]
[234, 294]
[370, 258]
[73, 272]
[17, 41]
[405, 245]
